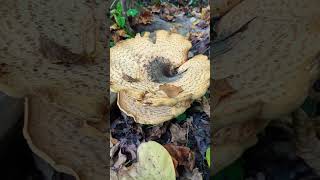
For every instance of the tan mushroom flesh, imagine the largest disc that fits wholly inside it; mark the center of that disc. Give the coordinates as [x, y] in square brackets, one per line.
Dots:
[155, 81]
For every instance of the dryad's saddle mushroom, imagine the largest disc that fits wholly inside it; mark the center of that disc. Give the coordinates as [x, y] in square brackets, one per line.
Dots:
[154, 80]
[266, 57]
[54, 53]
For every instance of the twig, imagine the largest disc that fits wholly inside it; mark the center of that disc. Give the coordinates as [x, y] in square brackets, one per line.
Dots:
[113, 3]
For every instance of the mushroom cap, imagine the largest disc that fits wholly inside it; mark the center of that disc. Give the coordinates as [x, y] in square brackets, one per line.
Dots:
[145, 114]
[65, 140]
[41, 53]
[145, 70]
[268, 60]
[268, 53]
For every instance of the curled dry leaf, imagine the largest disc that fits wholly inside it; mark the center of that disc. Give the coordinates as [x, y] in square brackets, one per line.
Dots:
[114, 27]
[122, 158]
[178, 134]
[145, 17]
[194, 175]
[182, 155]
[155, 8]
[205, 13]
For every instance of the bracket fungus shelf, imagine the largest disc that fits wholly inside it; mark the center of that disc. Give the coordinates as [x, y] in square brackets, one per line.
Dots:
[153, 78]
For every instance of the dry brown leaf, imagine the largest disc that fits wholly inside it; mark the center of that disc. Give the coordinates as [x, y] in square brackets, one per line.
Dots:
[122, 33]
[171, 90]
[205, 13]
[114, 27]
[183, 155]
[115, 37]
[155, 9]
[194, 175]
[178, 134]
[145, 17]
[122, 158]
[168, 17]
[113, 140]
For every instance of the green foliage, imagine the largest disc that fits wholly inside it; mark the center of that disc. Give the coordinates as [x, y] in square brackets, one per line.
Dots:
[132, 12]
[121, 21]
[119, 8]
[118, 15]
[208, 156]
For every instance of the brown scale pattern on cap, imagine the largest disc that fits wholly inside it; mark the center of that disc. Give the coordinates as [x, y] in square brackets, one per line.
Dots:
[54, 53]
[156, 77]
[268, 53]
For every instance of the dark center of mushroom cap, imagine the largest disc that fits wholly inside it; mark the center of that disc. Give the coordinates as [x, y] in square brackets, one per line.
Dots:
[160, 70]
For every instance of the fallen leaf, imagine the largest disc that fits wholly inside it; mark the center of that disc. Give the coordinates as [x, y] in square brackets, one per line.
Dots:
[114, 27]
[168, 17]
[201, 131]
[122, 33]
[115, 37]
[120, 161]
[178, 134]
[194, 175]
[145, 17]
[154, 163]
[183, 155]
[114, 149]
[205, 13]
[208, 156]
[156, 132]
[113, 140]
[156, 8]
[171, 90]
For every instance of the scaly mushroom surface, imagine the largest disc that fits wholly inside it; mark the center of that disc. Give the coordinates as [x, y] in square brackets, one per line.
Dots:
[155, 81]
[54, 53]
[265, 58]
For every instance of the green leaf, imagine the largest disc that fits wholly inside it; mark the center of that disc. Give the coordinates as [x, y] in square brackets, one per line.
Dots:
[132, 12]
[120, 20]
[119, 8]
[208, 156]
[113, 12]
[181, 117]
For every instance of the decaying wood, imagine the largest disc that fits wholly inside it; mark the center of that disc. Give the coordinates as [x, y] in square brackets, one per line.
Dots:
[268, 53]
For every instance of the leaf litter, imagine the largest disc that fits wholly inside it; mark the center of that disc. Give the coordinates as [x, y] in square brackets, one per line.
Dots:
[186, 141]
